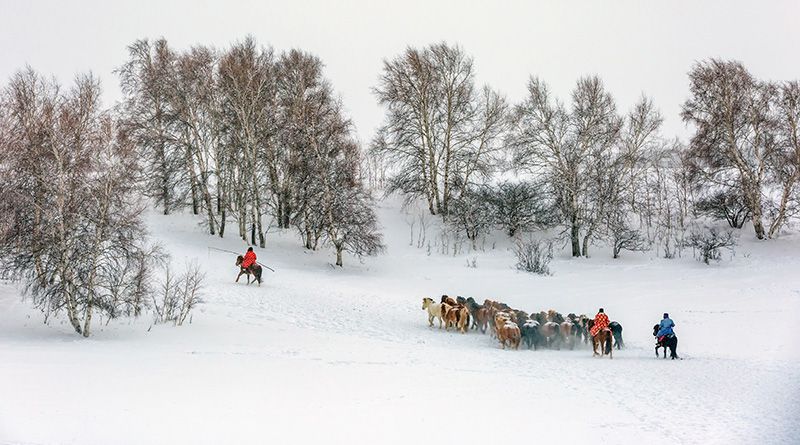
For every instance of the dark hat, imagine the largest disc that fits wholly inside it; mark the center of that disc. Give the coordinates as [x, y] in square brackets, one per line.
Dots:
[249, 249]
[666, 315]
[601, 310]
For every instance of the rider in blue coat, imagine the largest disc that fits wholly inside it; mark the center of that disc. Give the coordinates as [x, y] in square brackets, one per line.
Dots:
[665, 327]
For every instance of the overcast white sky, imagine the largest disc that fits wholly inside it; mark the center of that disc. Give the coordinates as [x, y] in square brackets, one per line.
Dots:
[635, 46]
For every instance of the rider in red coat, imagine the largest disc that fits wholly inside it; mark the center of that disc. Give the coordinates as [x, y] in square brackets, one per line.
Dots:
[600, 322]
[249, 258]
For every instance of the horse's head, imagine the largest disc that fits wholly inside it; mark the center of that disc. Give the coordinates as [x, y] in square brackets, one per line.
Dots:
[239, 260]
[426, 302]
[655, 329]
[461, 300]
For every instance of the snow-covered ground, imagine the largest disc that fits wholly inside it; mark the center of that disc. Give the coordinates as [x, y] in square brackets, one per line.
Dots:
[321, 354]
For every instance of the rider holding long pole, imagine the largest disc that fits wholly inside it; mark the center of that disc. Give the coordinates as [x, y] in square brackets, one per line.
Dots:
[249, 258]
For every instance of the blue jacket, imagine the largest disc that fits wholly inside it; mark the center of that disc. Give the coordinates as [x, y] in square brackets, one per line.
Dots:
[665, 327]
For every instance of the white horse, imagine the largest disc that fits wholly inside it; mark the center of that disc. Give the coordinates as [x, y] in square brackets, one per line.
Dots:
[434, 310]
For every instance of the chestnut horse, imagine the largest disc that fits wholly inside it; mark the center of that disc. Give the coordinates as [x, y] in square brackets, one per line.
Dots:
[603, 339]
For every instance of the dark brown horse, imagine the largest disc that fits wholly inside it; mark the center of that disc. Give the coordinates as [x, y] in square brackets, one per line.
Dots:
[254, 270]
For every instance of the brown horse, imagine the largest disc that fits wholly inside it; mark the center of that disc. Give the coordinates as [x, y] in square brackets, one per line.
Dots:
[456, 316]
[567, 333]
[549, 332]
[254, 270]
[509, 333]
[603, 340]
[481, 318]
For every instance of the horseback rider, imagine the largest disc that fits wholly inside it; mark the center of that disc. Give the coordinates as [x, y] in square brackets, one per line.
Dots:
[249, 258]
[665, 327]
[600, 322]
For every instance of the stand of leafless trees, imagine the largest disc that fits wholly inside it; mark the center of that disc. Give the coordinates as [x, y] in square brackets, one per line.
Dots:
[248, 136]
[598, 174]
[70, 216]
[746, 142]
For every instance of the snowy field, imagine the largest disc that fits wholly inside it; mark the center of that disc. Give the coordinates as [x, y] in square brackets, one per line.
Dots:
[325, 355]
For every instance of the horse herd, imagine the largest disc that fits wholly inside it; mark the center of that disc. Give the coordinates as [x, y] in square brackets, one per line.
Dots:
[513, 327]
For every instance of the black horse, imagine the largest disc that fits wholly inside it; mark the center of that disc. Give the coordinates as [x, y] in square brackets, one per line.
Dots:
[616, 329]
[530, 334]
[669, 341]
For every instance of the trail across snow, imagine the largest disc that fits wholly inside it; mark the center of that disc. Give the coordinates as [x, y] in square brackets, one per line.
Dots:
[321, 354]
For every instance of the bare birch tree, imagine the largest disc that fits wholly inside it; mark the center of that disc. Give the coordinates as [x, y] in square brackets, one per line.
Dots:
[71, 226]
[572, 152]
[733, 141]
[439, 133]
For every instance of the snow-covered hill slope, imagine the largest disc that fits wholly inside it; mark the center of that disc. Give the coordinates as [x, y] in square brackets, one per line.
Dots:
[328, 355]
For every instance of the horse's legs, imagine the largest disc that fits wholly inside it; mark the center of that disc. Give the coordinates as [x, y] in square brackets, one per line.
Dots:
[239, 276]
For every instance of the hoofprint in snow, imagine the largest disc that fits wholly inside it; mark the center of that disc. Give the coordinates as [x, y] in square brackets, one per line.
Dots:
[322, 354]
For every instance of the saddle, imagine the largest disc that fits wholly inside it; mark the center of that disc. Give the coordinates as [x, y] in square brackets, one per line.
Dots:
[663, 338]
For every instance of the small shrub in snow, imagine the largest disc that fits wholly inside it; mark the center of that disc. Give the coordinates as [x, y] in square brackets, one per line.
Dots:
[707, 243]
[178, 295]
[534, 256]
[624, 238]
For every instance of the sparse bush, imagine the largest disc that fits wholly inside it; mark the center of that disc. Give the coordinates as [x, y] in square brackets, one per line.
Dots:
[178, 295]
[725, 205]
[471, 215]
[707, 242]
[623, 237]
[520, 207]
[534, 256]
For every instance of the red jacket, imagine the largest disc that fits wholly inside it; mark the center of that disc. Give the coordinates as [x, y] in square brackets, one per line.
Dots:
[600, 323]
[249, 259]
